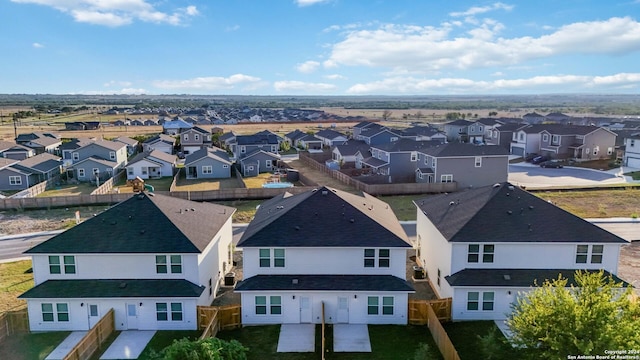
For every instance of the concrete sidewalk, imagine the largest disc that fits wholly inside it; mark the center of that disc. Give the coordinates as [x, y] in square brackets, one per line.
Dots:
[297, 338]
[66, 345]
[128, 345]
[351, 338]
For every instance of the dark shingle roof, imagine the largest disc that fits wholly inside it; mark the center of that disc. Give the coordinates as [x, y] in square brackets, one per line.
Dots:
[127, 140]
[143, 224]
[256, 139]
[212, 152]
[459, 122]
[324, 283]
[506, 213]
[325, 217]
[352, 147]
[153, 155]
[406, 145]
[113, 288]
[329, 134]
[464, 149]
[44, 162]
[515, 277]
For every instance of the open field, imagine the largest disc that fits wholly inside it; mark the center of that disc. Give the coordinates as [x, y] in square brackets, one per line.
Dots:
[33, 346]
[15, 278]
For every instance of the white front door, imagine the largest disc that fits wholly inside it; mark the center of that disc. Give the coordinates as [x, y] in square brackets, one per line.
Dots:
[132, 316]
[343, 310]
[305, 309]
[94, 314]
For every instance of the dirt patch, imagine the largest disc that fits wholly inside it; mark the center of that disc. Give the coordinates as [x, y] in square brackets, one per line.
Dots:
[629, 264]
[319, 177]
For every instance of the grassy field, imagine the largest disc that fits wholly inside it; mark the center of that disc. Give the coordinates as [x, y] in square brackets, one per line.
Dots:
[35, 346]
[596, 203]
[15, 278]
[69, 190]
[465, 338]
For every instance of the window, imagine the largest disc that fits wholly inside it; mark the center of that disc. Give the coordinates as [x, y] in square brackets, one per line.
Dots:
[472, 129]
[273, 148]
[587, 151]
[196, 137]
[545, 137]
[80, 173]
[186, 137]
[596, 254]
[387, 305]
[478, 161]
[473, 300]
[369, 257]
[243, 149]
[480, 128]
[414, 156]
[521, 136]
[438, 278]
[278, 257]
[274, 305]
[210, 287]
[93, 310]
[487, 253]
[145, 170]
[596, 150]
[61, 312]
[446, 178]
[555, 140]
[15, 180]
[55, 267]
[176, 264]
[487, 301]
[112, 155]
[265, 258]
[582, 254]
[372, 305]
[268, 163]
[433, 163]
[75, 156]
[129, 171]
[161, 264]
[225, 166]
[161, 312]
[609, 150]
[383, 258]
[47, 312]
[633, 142]
[473, 253]
[393, 138]
[250, 168]
[176, 311]
[207, 169]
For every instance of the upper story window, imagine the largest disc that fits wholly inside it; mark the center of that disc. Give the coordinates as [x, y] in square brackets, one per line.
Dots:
[555, 140]
[186, 137]
[76, 156]
[273, 148]
[383, 258]
[393, 138]
[473, 253]
[243, 149]
[545, 137]
[196, 137]
[414, 156]
[478, 161]
[521, 136]
[632, 142]
[480, 128]
[472, 128]
[112, 155]
[166, 263]
[66, 266]
[586, 252]
[433, 163]
[278, 258]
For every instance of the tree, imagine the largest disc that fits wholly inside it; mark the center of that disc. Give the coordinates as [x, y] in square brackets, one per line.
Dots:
[555, 321]
[493, 113]
[386, 115]
[206, 349]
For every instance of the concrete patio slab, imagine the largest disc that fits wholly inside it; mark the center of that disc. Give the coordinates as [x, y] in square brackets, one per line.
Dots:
[297, 338]
[66, 345]
[128, 345]
[351, 338]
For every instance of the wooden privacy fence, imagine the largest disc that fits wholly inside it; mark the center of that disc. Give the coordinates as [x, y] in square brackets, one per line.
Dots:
[418, 310]
[13, 322]
[211, 319]
[440, 336]
[94, 339]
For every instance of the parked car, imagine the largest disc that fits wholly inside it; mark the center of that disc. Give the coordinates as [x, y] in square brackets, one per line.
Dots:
[551, 164]
[539, 159]
[530, 157]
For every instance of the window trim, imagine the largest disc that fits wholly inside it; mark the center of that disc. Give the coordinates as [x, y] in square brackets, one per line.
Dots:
[269, 305]
[481, 301]
[169, 264]
[545, 137]
[589, 254]
[478, 161]
[112, 155]
[15, 180]
[446, 178]
[56, 312]
[81, 173]
[207, 169]
[63, 266]
[380, 305]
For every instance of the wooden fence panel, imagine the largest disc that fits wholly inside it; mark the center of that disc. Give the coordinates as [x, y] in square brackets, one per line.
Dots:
[13, 322]
[440, 336]
[94, 339]
[418, 310]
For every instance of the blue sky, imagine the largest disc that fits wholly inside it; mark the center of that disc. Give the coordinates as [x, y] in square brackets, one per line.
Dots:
[319, 47]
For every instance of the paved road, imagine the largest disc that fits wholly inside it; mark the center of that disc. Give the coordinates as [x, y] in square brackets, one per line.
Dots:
[534, 176]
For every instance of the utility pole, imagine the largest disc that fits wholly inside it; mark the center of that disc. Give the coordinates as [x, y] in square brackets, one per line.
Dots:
[15, 126]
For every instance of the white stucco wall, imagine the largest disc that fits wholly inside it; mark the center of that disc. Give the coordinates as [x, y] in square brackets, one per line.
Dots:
[435, 253]
[302, 261]
[212, 262]
[503, 298]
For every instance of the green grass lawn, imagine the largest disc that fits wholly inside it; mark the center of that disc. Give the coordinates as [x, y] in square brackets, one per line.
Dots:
[15, 278]
[635, 175]
[465, 338]
[70, 190]
[161, 184]
[387, 342]
[34, 346]
[246, 209]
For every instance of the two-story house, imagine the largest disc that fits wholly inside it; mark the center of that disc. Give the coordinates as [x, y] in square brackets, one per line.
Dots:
[175, 126]
[503, 135]
[484, 246]
[398, 160]
[329, 247]
[208, 163]
[376, 134]
[194, 139]
[98, 160]
[422, 133]
[533, 118]
[152, 259]
[162, 142]
[331, 137]
[132, 144]
[466, 164]
[345, 154]
[632, 151]
[578, 142]
[456, 130]
[247, 144]
[526, 140]
[357, 128]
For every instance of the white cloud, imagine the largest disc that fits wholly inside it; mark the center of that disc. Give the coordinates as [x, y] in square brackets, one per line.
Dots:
[212, 83]
[37, 45]
[498, 73]
[308, 67]
[475, 10]
[335, 77]
[299, 86]
[309, 2]
[116, 13]
[412, 85]
[118, 83]
[232, 28]
[427, 49]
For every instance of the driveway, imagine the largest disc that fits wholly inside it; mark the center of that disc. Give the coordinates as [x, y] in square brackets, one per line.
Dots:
[533, 176]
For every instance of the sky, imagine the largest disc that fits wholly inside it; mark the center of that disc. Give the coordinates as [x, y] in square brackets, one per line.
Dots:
[319, 47]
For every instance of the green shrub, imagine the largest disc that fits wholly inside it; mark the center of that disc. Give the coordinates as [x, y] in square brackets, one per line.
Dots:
[207, 349]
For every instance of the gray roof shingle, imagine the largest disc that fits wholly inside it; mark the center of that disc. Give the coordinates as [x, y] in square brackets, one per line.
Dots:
[113, 288]
[515, 277]
[324, 283]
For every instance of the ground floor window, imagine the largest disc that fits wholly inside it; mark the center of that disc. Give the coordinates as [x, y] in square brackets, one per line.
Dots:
[473, 300]
[51, 313]
[274, 305]
[376, 307]
[162, 311]
[15, 180]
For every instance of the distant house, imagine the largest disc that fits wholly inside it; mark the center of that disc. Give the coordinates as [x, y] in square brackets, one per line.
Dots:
[324, 252]
[11, 150]
[247, 144]
[424, 133]
[162, 142]
[194, 139]
[40, 142]
[577, 142]
[225, 140]
[346, 154]
[502, 135]
[293, 137]
[533, 118]
[632, 151]
[457, 130]
[359, 127]
[376, 135]
[558, 118]
[398, 160]
[132, 144]
[151, 165]
[166, 257]
[175, 127]
[480, 131]
[466, 164]
[121, 123]
[137, 122]
[259, 161]
[208, 163]
[331, 137]
[98, 160]
[310, 142]
[526, 140]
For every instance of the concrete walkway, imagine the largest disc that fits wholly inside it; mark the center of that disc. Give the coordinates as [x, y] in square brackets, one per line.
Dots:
[502, 325]
[128, 345]
[297, 338]
[351, 338]
[66, 345]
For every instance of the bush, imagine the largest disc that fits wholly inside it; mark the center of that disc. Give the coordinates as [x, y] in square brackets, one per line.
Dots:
[207, 349]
